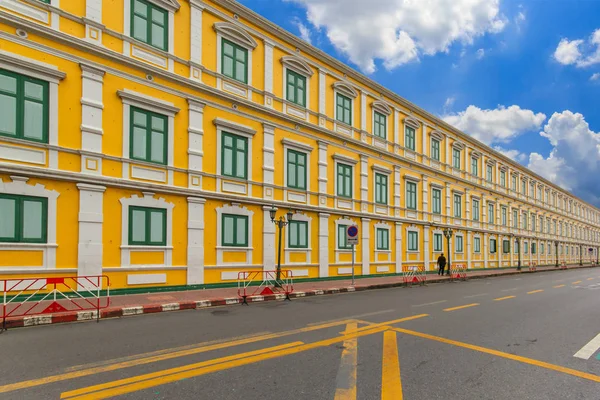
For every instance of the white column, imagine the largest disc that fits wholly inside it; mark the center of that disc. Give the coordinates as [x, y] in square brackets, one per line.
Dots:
[195, 248]
[512, 250]
[363, 111]
[468, 205]
[322, 174]
[93, 21]
[448, 156]
[91, 217]
[92, 80]
[397, 189]
[537, 250]
[269, 72]
[323, 245]
[448, 215]
[469, 248]
[426, 252]
[425, 196]
[269, 231]
[268, 160]
[396, 127]
[366, 246]
[399, 251]
[483, 211]
[195, 143]
[322, 97]
[364, 183]
[196, 40]
[486, 239]
[424, 148]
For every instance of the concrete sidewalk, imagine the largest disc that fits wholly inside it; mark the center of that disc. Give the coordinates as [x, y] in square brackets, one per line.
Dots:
[126, 305]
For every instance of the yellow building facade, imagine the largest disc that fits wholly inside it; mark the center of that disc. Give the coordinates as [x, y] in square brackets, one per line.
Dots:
[147, 140]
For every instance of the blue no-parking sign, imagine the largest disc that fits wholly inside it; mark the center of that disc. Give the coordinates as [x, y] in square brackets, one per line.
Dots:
[352, 235]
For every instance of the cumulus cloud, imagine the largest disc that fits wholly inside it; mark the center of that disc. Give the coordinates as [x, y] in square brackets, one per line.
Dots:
[400, 31]
[513, 154]
[480, 54]
[303, 29]
[595, 76]
[499, 125]
[579, 52]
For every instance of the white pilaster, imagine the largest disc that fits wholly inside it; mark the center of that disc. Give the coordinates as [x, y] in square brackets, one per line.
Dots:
[195, 249]
[469, 248]
[93, 21]
[448, 194]
[92, 79]
[322, 97]
[364, 182]
[322, 174]
[397, 190]
[268, 160]
[426, 247]
[195, 143]
[425, 197]
[486, 239]
[196, 40]
[363, 111]
[468, 205]
[366, 246]
[91, 217]
[399, 251]
[268, 240]
[425, 150]
[269, 73]
[323, 245]
[396, 127]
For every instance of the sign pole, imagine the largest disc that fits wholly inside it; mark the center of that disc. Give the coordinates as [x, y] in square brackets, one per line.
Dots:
[352, 265]
[352, 240]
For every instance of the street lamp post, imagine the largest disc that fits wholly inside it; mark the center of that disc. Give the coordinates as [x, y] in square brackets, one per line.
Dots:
[280, 223]
[448, 234]
[519, 261]
[556, 253]
[580, 255]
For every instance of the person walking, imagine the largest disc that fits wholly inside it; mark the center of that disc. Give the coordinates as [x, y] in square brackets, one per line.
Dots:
[441, 264]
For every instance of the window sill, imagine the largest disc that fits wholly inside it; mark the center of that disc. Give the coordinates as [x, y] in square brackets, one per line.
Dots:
[146, 247]
[297, 249]
[240, 248]
[27, 245]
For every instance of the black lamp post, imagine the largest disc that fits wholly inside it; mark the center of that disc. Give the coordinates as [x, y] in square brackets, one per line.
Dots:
[556, 253]
[519, 260]
[281, 223]
[580, 255]
[448, 234]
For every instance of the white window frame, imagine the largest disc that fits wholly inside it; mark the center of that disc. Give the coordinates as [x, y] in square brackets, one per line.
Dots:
[298, 216]
[18, 186]
[414, 124]
[42, 12]
[346, 90]
[491, 218]
[343, 159]
[439, 137]
[341, 221]
[301, 67]
[380, 169]
[479, 213]
[387, 227]
[476, 238]
[459, 235]
[384, 109]
[441, 233]
[416, 181]
[148, 200]
[290, 144]
[234, 209]
[416, 230]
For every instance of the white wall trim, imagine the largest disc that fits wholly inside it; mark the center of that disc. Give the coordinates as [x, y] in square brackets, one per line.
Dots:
[234, 209]
[307, 251]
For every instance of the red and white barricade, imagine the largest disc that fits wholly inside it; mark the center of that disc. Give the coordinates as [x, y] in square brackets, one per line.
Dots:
[532, 266]
[458, 271]
[412, 275]
[262, 283]
[563, 265]
[38, 296]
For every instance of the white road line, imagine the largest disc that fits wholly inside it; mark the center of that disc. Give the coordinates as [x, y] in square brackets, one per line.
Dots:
[589, 349]
[509, 290]
[475, 295]
[430, 304]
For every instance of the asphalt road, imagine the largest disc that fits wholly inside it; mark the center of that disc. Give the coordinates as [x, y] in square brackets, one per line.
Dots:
[500, 338]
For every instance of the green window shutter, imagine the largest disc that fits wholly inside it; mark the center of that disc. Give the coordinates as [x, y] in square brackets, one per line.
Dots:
[380, 125]
[475, 210]
[411, 195]
[457, 206]
[489, 173]
[45, 1]
[234, 230]
[234, 61]
[341, 239]
[491, 213]
[437, 242]
[381, 191]
[23, 107]
[409, 137]
[150, 24]
[436, 201]
[343, 109]
[296, 88]
[474, 165]
[148, 136]
[23, 219]
[298, 234]
[459, 244]
[147, 226]
[477, 245]
[296, 169]
[234, 156]
[456, 158]
[435, 149]
[413, 241]
[344, 180]
[383, 242]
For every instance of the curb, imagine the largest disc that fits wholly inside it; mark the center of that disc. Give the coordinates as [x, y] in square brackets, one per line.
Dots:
[117, 312]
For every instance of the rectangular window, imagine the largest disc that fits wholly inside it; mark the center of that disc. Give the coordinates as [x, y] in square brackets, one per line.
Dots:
[523, 188]
[437, 242]
[488, 173]
[514, 183]
[493, 248]
[409, 137]
[435, 149]
[381, 189]
[533, 223]
[296, 88]
[413, 241]
[456, 158]
[533, 249]
[531, 190]
[23, 219]
[459, 244]
[457, 206]
[383, 239]
[235, 230]
[524, 218]
[411, 195]
[475, 210]
[344, 109]
[505, 246]
[149, 24]
[516, 249]
[234, 61]
[234, 156]
[526, 247]
[541, 248]
[436, 201]
[474, 166]
[344, 180]
[491, 213]
[298, 234]
[148, 136]
[147, 226]
[23, 107]
[380, 125]
[515, 219]
[296, 169]
[503, 216]
[539, 193]
[342, 242]
[502, 178]
[477, 245]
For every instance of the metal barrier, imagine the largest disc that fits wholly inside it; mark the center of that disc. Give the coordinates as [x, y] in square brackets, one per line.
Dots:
[458, 271]
[37, 296]
[413, 275]
[269, 284]
[563, 265]
[533, 267]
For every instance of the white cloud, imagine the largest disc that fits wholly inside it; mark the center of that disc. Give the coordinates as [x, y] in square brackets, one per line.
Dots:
[520, 19]
[480, 54]
[495, 126]
[595, 76]
[400, 31]
[303, 29]
[449, 102]
[515, 155]
[579, 52]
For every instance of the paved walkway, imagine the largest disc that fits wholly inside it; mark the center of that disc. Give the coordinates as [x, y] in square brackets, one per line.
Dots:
[133, 304]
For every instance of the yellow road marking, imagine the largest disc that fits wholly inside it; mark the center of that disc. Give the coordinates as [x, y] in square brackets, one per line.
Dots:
[461, 307]
[576, 282]
[162, 357]
[535, 291]
[504, 298]
[371, 325]
[391, 382]
[558, 286]
[346, 377]
[589, 279]
[525, 360]
[153, 379]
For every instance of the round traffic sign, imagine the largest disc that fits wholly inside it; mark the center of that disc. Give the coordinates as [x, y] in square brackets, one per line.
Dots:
[352, 231]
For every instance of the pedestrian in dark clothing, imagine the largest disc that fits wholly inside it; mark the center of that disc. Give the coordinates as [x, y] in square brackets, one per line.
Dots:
[441, 264]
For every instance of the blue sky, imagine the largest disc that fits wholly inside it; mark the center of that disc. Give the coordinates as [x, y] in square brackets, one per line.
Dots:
[504, 73]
